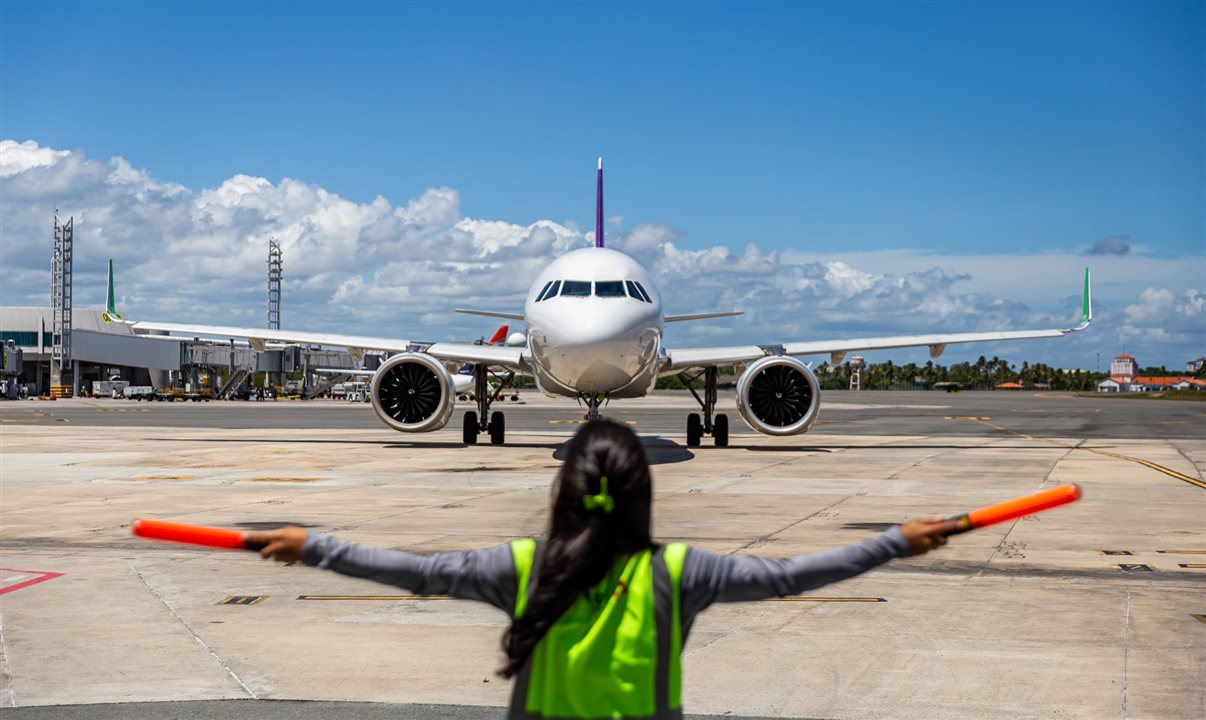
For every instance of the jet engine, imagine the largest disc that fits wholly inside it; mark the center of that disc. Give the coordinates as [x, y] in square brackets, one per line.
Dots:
[778, 395]
[413, 392]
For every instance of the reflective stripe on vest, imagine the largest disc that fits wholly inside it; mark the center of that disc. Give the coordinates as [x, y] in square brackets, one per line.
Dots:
[616, 652]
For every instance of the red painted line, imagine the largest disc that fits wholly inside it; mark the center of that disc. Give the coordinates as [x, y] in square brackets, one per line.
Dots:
[44, 577]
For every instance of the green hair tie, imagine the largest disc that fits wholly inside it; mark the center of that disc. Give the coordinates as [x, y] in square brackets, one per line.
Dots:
[601, 501]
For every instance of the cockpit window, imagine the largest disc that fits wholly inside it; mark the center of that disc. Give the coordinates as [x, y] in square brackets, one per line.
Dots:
[549, 290]
[638, 292]
[575, 288]
[609, 288]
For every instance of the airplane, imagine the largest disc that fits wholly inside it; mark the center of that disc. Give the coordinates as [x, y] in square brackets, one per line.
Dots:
[594, 326]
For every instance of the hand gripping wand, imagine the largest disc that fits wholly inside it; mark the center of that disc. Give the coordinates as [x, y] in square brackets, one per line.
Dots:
[214, 537]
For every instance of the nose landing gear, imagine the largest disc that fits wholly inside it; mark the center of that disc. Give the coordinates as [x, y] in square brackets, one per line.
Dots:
[475, 422]
[717, 426]
[593, 402]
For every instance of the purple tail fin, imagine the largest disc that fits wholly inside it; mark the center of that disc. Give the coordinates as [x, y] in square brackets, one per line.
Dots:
[599, 209]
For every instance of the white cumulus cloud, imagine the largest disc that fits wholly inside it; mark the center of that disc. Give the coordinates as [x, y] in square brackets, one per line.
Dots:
[16, 157]
[380, 268]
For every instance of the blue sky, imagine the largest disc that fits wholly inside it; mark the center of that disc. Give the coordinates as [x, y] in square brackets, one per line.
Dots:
[947, 129]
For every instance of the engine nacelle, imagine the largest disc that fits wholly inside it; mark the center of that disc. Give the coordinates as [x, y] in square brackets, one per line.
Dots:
[413, 392]
[778, 395]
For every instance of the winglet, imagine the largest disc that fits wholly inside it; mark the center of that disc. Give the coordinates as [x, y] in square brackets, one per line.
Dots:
[1087, 308]
[111, 313]
[599, 208]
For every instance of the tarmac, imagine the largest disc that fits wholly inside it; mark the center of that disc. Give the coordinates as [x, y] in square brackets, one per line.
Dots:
[1094, 610]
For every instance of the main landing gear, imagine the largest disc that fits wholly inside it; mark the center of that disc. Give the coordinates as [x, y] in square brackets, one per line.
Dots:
[710, 424]
[483, 396]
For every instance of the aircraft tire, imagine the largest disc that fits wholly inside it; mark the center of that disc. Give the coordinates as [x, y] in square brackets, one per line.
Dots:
[498, 428]
[694, 430]
[720, 430]
[469, 428]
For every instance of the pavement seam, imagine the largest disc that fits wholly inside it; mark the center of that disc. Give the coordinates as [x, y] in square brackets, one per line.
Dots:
[10, 698]
[1014, 524]
[896, 475]
[1172, 443]
[1126, 645]
[715, 640]
[764, 538]
[435, 506]
[1146, 463]
[195, 636]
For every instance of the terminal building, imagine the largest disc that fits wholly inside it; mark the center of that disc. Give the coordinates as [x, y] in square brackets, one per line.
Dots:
[106, 350]
[63, 350]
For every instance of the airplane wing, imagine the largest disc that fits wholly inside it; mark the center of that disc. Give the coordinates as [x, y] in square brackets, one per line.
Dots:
[512, 358]
[686, 358]
[356, 345]
[344, 371]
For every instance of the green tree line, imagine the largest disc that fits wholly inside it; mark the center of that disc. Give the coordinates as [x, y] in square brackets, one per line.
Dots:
[983, 374]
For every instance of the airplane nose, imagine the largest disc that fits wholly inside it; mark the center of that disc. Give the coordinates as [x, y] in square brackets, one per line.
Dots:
[586, 335]
[596, 355]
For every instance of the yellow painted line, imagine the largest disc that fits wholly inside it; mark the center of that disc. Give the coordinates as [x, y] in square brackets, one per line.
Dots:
[34, 420]
[1194, 566]
[829, 599]
[374, 597]
[1146, 463]
[273, 479]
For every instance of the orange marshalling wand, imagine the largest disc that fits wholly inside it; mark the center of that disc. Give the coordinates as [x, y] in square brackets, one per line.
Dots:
[1017, 507]
[192, 534]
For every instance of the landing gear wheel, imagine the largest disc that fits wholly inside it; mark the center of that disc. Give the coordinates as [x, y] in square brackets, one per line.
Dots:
[498, 428]
[469, 428]
[720, 430]
[694, 430]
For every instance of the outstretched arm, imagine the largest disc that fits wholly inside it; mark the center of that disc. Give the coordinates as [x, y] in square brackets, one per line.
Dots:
[709, 578]
[484, 575]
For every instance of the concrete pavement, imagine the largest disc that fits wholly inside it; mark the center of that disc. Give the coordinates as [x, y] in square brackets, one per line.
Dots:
[1090, 611]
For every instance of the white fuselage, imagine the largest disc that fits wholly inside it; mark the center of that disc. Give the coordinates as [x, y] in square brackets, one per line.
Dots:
[598, 329]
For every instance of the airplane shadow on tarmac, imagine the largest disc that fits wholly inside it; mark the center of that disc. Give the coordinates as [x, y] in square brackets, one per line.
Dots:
[660, 451]
[889, 446]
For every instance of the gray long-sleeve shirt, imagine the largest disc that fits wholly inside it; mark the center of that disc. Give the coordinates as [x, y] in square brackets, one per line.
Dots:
[488, 575]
